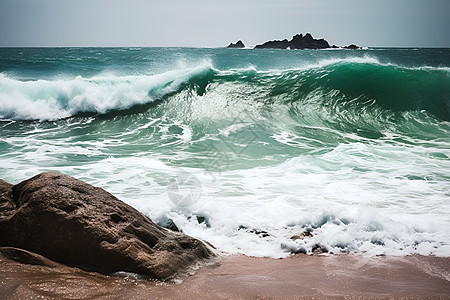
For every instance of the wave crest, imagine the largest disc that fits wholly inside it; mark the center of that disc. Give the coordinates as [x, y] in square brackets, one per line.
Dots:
[56, 99]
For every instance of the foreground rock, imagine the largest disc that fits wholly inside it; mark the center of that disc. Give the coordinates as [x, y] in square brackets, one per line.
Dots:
[298, 42]
[238, 44]
[74, 223]
[26, 257]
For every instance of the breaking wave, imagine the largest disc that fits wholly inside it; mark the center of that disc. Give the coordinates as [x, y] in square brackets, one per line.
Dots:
[357, 83]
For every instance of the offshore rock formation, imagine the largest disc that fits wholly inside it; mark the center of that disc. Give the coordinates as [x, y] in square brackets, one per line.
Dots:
[275, 44]
[298, 42]
[238, 44]
[71, 222]
[352, 46]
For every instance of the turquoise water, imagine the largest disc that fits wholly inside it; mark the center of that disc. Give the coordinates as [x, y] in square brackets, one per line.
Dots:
[245, 148]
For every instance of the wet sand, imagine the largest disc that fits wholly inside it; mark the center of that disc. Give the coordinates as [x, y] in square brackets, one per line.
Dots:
[241, 277]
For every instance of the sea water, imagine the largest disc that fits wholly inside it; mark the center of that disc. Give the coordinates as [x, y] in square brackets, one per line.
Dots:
[259, 152]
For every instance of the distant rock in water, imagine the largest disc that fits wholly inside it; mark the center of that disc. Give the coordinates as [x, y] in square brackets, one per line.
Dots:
[71, 222]
[284, 44]
[352, 46]
[238, 44]
[298, 42]
[307, 42]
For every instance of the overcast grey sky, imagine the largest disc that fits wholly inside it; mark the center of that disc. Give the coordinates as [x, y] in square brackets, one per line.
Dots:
[203, 23]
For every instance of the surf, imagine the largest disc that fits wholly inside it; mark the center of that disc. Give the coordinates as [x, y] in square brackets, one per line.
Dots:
[288, 151]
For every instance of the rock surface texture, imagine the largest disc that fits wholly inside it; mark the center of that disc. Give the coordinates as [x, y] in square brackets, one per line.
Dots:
[71, 222]
[7, 205]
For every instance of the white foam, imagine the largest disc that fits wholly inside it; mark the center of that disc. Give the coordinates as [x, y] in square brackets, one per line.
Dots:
[376, 211]
[56, 99]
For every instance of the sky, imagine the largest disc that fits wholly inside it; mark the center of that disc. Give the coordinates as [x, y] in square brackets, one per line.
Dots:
[213, 23]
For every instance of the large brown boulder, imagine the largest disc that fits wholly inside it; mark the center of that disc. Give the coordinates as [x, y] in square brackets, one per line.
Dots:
[72, 222]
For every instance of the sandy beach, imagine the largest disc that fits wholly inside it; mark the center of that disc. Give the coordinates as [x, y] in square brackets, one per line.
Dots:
[241, 277]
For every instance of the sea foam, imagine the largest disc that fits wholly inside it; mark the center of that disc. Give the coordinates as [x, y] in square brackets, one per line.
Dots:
[58, 99]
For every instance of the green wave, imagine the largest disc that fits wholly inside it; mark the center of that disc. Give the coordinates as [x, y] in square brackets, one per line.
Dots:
[387, 87]
[343, 85]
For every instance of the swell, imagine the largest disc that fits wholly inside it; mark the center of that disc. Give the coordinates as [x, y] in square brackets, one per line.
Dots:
[352, 84]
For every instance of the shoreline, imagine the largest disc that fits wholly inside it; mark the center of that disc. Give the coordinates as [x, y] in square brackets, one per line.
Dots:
[243, 277]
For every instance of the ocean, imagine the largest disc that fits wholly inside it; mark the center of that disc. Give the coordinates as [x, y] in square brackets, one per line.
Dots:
[259, 152]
